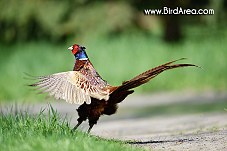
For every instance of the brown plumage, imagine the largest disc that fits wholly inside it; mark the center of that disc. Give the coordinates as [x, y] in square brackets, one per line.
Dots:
[85, 86]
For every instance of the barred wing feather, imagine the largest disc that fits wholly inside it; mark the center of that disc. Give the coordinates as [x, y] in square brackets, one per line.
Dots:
[71, 86]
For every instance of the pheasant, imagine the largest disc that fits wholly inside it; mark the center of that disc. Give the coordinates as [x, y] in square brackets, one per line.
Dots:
[84, 86]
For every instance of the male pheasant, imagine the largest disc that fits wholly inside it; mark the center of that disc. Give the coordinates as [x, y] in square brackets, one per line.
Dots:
[84, 86]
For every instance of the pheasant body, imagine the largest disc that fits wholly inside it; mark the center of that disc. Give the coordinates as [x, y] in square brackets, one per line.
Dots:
[87, 69]
[85, 86]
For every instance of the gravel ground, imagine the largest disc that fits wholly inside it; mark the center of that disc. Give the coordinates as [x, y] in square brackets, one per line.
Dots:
[187, 132]
[207, 131]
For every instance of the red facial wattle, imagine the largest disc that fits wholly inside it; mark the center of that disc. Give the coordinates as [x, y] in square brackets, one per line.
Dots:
[74, 51]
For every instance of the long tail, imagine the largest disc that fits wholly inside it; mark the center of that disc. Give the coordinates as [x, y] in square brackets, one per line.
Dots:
[149, 74]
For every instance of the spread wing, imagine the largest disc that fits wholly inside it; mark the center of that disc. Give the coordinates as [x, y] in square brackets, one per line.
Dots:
[71, 86]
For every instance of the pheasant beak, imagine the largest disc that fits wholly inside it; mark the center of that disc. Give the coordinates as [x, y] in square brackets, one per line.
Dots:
[70, 48]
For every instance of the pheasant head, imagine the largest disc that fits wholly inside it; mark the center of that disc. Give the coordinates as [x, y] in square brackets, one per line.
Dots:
[79, 52]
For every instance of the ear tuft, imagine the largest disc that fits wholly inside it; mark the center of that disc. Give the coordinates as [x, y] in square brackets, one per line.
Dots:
[82, 47]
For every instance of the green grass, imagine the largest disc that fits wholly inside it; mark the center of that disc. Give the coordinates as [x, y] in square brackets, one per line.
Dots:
[21, 132]
[118, 59]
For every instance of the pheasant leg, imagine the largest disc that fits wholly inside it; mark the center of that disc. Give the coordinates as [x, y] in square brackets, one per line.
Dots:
[88, 131]
[92, 121]
[77, 125]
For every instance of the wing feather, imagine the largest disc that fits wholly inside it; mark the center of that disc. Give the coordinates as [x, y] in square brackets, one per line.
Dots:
[72, 86]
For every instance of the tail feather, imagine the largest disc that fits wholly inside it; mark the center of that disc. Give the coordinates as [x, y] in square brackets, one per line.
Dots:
[149, 74]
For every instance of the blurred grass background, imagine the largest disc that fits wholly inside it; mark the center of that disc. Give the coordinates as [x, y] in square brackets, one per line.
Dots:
[121, 42]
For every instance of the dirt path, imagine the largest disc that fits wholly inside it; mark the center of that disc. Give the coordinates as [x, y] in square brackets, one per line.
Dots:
[188, 132]
[207, 131]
